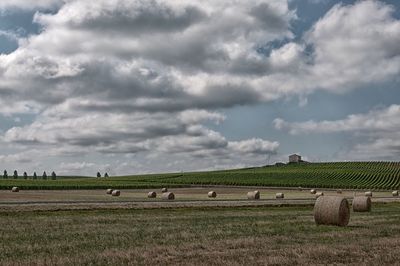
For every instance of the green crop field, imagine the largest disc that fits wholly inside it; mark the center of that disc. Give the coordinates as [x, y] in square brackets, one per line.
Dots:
[352, 175]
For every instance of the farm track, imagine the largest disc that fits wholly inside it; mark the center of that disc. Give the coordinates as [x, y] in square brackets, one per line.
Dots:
[104, 205]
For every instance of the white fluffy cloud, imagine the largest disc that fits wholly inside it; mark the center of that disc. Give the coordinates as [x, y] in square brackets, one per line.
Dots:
[30, 5]
[377, 132]
[146, 76]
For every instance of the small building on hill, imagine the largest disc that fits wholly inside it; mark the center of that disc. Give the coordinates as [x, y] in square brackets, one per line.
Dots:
[294, 158]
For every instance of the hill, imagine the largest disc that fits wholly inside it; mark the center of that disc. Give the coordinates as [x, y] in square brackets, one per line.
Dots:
[361, 175]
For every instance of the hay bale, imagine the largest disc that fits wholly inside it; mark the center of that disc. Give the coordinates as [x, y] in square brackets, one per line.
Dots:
[319, 194]
[152, 194]
[368, 194]
[339, 191]
[15, 189]
[109, 191]
[168, 196]
[332, 210]
[362, 204]
[279, 195]
[212, 194]
[395, 193]
[116, 193]
[313, 191]
[253, 195]
[164, 189]
[300, 188]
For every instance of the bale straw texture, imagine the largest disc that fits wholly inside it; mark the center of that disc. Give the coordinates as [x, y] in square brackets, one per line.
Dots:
[116, 193]
[168, 196]
[253, 195]
[212, 194]
[152, 194]
[368, 194]
[332, 210]
[362, 204]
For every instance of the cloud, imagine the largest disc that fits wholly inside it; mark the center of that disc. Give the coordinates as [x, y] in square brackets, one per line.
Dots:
[376, 132]
[379, 120]
[30, 5]
[129, 77]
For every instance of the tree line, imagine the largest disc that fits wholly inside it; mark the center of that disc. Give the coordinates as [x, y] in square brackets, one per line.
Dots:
[25, 175]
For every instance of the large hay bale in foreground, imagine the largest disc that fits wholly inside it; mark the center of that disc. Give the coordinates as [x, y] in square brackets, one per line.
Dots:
[253, 195]
[368, 194]
[15, 189]
[313, 191]
[152, 194]
[109, 191]
[332, 210]
[395, 193]
[212, 194]
[164, 189]
[279, 195]
[168, 196]
[319, 194]
[362, 204]
[116, 193]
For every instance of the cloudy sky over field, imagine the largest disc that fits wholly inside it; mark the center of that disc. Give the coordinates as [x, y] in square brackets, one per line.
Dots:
[133, 86]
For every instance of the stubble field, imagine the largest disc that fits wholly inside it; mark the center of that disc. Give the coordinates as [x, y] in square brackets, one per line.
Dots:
[263, 235]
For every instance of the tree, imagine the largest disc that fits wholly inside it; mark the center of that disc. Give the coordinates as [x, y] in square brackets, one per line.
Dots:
[53, 176]
[44, 176]
[34, 175]
[25, 175]
[15, 174]
[98, 174]
[105, 175]
[5, 175]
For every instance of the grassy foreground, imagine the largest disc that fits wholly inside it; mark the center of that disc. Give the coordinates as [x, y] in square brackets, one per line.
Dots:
[205, 236]
[349, 175]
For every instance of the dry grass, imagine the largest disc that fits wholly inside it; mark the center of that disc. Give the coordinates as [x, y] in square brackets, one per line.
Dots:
[180, 193]
[208, 236]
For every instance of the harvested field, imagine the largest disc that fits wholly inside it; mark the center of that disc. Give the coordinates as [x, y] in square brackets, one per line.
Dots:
[222, 236]
[181, 194]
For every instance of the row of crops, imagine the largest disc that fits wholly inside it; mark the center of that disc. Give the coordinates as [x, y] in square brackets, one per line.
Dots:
[358, 175]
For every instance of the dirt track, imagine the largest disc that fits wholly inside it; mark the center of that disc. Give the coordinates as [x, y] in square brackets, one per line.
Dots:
[196, 197]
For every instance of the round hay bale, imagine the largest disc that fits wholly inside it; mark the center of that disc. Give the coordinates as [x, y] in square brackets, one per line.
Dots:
[313, 191]
[116, 193]
[109, 191]
[164, 189]
[253, 195]
[300, 188]
[319, 194]
[395, 193]
[152, 194]
[15, 189]
[362, 204]
[168, 196]
[332, 210]
[212, 194]
[279, 195]
[368, 194]
[339, 191]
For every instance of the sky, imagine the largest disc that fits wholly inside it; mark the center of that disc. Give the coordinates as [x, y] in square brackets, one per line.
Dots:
[133, 87]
